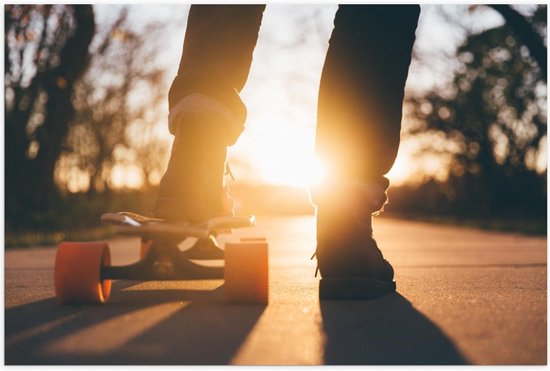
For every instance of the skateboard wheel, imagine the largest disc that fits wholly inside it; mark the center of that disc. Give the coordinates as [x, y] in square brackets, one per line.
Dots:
[246, 272]
[78, 273]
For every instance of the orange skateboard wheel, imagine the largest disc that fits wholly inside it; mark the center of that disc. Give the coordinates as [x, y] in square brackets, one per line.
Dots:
[78, 273]
[246, 272]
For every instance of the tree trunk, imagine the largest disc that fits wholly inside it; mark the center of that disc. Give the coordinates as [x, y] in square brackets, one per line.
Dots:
[59, 86]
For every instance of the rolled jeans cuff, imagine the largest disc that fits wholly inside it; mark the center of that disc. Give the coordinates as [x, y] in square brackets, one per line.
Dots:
[200, 104]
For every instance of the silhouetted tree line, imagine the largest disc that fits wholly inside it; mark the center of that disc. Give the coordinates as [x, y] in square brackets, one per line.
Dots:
[73, 92]
[46, 53]
[493, 118]
[117, 103]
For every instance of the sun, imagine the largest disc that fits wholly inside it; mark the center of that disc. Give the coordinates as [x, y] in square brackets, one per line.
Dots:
[298, 169]
[280, 152]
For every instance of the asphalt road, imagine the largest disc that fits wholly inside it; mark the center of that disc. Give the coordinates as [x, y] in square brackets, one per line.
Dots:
[464, 296]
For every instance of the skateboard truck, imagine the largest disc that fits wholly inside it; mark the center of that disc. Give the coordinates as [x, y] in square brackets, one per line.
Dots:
[163, 260]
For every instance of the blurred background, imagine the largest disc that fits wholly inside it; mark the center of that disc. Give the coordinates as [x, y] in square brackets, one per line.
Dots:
[86, 116]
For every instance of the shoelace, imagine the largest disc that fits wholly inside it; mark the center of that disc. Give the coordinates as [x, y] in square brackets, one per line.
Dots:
[228, 171]
[317, 268]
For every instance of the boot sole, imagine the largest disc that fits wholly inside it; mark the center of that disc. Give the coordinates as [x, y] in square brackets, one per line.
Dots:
[353, 288]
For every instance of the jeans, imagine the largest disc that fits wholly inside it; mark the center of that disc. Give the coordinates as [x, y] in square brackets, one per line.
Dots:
[362, 83]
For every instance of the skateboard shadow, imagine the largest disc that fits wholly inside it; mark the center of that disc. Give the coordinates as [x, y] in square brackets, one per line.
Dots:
[386, 331]
[170, 327]
[198, 334]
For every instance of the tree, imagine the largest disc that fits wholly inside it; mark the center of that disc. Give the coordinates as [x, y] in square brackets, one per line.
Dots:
[118, 103]
[46, 52]
[527, 34]
[492, 119]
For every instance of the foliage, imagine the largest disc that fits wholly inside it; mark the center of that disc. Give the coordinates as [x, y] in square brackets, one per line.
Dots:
[78, 103]
[118, 102]
[46, 52]
[492, 120]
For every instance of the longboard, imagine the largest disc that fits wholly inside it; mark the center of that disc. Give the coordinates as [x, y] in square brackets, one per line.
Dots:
[83, 270]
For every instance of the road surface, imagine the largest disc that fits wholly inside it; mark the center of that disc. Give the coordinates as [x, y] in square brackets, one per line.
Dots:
[464, 296]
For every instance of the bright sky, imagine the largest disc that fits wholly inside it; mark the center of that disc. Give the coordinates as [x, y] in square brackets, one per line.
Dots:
[281, 93]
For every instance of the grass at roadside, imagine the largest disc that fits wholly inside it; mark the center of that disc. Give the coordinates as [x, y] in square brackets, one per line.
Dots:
[528, 226]
[74, 217]
[40, 238]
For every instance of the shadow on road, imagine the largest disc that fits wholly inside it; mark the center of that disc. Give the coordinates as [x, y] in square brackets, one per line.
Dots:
[195, 332]
[387, 331]
[182, 327]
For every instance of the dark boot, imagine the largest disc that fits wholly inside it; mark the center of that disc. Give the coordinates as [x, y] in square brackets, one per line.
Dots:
[349, 260]
[193, 188]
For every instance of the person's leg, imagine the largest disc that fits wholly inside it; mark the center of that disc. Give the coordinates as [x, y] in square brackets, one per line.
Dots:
[206, 112]
[358, 128]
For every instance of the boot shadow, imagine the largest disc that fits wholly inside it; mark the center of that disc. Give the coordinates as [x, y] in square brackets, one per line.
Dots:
[386, 331]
